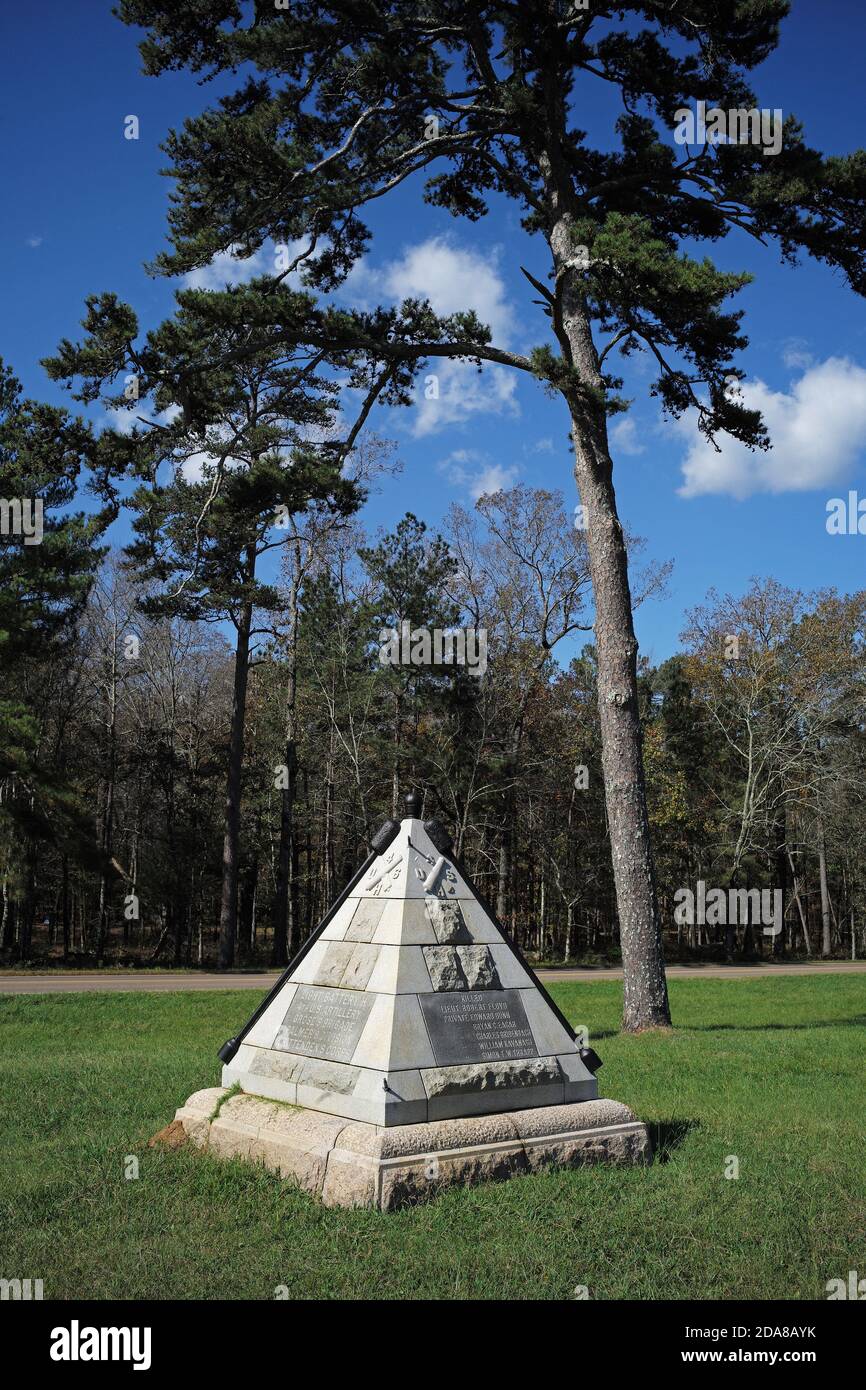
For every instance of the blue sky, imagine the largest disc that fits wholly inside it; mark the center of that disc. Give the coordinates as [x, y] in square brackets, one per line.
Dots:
[84, 209]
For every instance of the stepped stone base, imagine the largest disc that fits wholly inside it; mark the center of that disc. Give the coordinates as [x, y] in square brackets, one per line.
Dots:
[349, 1163]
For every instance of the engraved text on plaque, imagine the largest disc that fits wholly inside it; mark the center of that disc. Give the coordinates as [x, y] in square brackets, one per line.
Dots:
[477, 1026]
[323, 1022]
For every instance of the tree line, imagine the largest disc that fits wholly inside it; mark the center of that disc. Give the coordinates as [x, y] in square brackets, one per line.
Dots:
[137, 824]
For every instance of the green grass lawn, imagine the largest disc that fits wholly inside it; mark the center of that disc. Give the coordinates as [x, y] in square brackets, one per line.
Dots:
[771, 1071]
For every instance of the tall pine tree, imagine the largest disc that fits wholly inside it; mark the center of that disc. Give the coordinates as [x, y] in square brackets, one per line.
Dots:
[339, 104]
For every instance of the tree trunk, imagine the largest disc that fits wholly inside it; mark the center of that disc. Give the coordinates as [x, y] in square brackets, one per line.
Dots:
[285, 917]
[7, 919]
[502, 877]
[328, 838]
[781, 857]
[796, 889]
[28, 902]
[505, 906]
[295, 896]
[107, 829]
[231, 841]
[569, 932]
[247, 896]
[309, 902]
[177, 914]
[645, 987]
[826, 944]
[64, 903]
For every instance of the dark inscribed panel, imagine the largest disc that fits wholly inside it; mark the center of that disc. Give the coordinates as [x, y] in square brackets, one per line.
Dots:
[477, 1026]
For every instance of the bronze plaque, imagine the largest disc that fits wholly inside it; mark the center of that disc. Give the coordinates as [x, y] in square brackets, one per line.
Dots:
[487, 1025]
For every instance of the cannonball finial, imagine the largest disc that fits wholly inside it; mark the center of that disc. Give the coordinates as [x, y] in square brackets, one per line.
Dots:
[413, 805]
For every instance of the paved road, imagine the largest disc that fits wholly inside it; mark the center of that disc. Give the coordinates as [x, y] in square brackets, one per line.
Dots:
[154, 982]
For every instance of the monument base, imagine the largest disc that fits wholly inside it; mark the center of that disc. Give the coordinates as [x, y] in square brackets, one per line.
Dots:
[349, 1163]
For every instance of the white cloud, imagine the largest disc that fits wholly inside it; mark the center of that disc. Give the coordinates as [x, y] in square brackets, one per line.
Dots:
[452, 278]
[473, 471]
[817, 430]
[796, 354]
[125, 419]
[197, 467]
[493, 479]
[227, 269]
[624, 437]
[463, 391]
[34, 241]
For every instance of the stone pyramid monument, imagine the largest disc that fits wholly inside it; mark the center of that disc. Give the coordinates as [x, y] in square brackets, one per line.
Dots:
[407, 1011]
[410, 1004]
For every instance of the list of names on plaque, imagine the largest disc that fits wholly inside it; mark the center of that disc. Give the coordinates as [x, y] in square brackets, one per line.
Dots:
[477, 1026]
[324, 1022]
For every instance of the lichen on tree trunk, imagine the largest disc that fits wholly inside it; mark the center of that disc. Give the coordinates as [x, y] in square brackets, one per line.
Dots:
[645, 987]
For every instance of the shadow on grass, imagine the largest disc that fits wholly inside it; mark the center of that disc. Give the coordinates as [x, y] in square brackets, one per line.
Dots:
[667, 1136]
[859, 1020]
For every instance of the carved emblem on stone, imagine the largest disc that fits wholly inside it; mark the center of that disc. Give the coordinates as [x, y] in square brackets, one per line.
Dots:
[437, 874]
[381, 880]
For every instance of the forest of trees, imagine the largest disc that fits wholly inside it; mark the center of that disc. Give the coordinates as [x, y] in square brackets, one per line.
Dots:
[114, 771]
